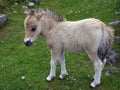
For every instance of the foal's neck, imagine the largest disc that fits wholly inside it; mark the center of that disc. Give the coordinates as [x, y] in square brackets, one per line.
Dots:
[47, 25]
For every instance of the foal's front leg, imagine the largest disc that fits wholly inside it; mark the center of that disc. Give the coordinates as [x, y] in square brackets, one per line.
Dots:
[53, 62]
[63, 66]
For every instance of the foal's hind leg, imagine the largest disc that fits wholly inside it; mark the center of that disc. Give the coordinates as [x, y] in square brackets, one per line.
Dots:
[63, 66]
[98, 66]
[98, 69]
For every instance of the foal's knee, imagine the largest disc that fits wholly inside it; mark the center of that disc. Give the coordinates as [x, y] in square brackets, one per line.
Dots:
[53, 62]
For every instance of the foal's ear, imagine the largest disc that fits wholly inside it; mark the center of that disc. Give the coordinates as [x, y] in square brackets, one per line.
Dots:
[31, 12]
[38, 15]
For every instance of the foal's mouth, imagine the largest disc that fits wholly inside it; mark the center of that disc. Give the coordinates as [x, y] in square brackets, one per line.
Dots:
[28, 43]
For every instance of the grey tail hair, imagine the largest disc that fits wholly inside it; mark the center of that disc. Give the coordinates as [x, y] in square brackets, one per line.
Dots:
[106, 42]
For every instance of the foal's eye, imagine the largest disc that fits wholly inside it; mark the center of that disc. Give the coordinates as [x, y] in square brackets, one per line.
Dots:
[33, 28]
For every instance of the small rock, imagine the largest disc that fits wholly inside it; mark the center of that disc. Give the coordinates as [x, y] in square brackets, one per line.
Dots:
[36, 1]
[114, 22]
[117, 13]
[112, 57]
[3, 18]
[31, 4]
[24, 7]
[107, 73]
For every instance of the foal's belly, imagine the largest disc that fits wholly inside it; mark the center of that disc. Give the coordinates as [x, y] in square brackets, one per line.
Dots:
[73, 48]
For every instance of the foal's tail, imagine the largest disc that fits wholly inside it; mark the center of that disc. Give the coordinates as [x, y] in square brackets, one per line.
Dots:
[106, 42]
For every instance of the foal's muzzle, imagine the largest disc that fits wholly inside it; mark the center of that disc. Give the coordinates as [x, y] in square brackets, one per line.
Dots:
[28, 43]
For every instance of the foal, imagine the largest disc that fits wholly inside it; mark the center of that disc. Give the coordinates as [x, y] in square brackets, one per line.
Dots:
[90, 35]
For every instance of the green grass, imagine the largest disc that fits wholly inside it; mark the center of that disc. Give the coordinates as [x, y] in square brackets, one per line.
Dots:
[16, 60]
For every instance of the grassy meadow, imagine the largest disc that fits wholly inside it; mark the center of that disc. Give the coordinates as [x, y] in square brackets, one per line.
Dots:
[26, 68]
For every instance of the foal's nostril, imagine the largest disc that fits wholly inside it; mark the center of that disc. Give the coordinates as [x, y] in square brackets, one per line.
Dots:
[28, 43]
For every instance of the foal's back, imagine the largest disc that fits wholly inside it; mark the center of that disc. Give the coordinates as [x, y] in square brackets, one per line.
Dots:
[76, 35]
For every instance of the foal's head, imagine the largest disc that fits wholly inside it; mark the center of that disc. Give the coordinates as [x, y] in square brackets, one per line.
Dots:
[35, 23]
[31, 27]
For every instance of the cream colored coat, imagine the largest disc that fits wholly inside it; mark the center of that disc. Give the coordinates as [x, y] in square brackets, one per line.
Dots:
[90, 35]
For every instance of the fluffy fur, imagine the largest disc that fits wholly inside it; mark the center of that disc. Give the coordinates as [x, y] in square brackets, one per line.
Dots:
[90, 35]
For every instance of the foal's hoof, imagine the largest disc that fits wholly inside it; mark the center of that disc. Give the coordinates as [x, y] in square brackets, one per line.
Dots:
[62, 76]
[93, 85]
[50, 78]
